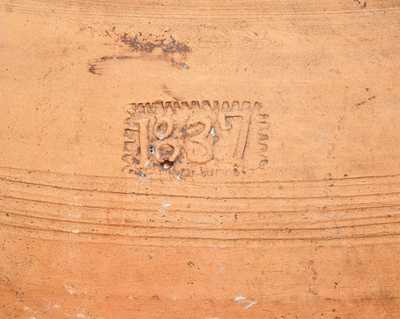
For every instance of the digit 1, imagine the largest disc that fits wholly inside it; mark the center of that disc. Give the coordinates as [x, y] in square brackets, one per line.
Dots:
[143, 140]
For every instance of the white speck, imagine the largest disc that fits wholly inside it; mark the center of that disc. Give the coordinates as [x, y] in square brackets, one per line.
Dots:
[165, 206]
[214, 135]
[143, 178]
[75, 231]
[179, 177]
[80, 316]
[213, 132]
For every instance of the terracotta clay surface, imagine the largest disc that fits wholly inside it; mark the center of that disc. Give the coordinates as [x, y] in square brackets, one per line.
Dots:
[199, 159]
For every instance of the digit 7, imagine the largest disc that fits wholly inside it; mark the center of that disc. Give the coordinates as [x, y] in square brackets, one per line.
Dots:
[243, 132]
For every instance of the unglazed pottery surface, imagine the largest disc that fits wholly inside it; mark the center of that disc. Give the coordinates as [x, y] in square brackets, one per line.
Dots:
[199, 159]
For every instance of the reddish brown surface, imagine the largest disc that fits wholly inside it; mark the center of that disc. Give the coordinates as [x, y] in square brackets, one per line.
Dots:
[199, 159]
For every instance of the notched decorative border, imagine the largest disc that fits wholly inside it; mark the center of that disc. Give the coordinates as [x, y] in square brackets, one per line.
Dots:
[195, 138]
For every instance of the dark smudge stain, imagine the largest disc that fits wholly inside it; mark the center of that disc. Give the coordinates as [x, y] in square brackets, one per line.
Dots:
[371, 98]
[93, 66]
[168, 45]
[163, 47]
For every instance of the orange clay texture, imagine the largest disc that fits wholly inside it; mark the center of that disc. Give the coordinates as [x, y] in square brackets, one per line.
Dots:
[209, 159]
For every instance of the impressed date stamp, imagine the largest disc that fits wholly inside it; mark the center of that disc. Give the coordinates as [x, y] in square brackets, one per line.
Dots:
[192, 138]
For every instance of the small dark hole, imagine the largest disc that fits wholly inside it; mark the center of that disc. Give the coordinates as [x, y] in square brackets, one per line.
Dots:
[152, 149]
[165, 165]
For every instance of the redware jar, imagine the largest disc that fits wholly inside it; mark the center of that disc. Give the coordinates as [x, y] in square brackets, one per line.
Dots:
[199, 159]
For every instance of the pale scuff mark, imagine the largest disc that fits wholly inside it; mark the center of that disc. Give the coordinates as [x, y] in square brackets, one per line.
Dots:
[49, 306]
[239, 298]
[26, 308]
[244, 301]
[221, 269]
[250, 304]
[74, 214]
[70, 289]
